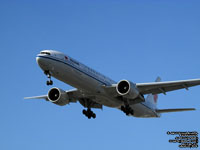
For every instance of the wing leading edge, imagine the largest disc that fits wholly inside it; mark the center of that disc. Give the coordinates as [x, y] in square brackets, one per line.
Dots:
[37, 97]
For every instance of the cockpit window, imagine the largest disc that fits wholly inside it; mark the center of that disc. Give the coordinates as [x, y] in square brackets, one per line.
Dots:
[45, 53]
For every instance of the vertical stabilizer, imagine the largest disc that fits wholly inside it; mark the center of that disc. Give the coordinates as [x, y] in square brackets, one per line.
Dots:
[153, 98]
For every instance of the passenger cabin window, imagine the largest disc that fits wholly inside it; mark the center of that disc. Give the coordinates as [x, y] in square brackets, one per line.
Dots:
[45, 53]
[75, 62]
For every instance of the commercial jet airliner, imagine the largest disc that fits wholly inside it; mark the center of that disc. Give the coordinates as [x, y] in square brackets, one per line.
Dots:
[94, 90]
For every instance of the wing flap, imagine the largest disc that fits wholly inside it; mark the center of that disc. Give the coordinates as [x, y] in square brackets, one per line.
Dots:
[174, 110]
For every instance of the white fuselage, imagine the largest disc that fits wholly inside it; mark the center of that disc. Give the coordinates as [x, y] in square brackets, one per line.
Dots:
[76, 74]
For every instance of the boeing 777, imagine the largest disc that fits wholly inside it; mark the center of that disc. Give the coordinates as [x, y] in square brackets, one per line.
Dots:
[94, 90]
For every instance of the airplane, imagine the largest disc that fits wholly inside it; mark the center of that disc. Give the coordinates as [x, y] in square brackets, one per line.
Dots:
[94, 90]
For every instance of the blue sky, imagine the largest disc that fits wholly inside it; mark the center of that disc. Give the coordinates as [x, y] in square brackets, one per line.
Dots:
[134, 40]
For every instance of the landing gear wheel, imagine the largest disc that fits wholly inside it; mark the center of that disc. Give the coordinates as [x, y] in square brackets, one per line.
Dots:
[49, 82]
[88, 113]
[84, 111]
[94, 115]
[123, 108]
[131, 112]
[127, 113]
[127, 110]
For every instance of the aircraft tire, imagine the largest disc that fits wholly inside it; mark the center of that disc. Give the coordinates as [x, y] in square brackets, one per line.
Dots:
[94, 115]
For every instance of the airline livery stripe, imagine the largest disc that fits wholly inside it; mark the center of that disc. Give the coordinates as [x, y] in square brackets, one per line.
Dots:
[74, 68]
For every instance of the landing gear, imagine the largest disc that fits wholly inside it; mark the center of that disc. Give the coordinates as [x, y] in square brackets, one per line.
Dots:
[89, 113]
[49, 82]
[127, 110]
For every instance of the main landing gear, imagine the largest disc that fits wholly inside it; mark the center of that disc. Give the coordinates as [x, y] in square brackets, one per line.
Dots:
[49, 82]
[127, 110]
[89, 113]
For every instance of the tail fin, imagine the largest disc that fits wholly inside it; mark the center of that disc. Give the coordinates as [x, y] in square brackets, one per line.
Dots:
[153, 98]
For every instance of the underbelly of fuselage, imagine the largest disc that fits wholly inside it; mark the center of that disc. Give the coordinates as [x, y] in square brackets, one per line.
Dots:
[78, 79]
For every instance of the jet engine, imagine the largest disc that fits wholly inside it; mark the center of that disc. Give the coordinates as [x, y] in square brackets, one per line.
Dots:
[58, 96]
[127, 89]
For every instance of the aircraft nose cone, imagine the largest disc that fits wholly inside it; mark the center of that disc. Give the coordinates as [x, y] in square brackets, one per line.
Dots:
[38, 60]
[41, 62]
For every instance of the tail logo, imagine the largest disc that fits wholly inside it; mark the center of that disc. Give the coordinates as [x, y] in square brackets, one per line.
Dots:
[155, 97]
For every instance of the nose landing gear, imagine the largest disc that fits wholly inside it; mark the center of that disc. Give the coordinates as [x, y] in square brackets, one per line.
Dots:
[49, 82]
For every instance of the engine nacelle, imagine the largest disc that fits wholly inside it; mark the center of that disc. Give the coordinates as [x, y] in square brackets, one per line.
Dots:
[127, 89]
[58, 96]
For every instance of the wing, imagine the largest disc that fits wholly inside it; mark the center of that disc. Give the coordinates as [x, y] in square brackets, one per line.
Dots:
[163, 87]
[75, 95]
[38, 97]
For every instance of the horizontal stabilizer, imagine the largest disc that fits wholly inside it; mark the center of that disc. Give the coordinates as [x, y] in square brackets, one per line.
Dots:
[174, 110]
